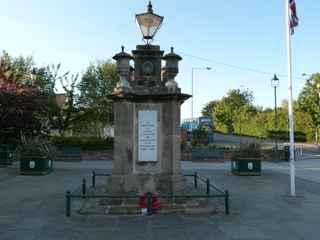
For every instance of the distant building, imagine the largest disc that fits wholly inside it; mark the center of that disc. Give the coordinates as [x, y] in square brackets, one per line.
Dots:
[204, 123]
[196, 123]
[189, 124]
[61, 99]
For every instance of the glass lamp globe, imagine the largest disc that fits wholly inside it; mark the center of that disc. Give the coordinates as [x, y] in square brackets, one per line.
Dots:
[149, 23]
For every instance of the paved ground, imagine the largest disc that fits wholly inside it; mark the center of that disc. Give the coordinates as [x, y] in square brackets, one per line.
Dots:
[33, 207]
[308, 169]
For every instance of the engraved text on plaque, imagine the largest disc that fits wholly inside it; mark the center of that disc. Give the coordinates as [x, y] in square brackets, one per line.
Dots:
[147, 149]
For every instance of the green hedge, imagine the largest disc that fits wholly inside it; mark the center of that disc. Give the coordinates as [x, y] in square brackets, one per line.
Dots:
[199, 136]
[239, 135]
[284, 135]
[85, 143]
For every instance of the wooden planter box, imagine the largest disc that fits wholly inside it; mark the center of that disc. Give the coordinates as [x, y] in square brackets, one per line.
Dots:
[35, 165]
[246, 166]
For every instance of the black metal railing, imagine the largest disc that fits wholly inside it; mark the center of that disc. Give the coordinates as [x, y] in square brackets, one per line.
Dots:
[94, 175]
[209, 186]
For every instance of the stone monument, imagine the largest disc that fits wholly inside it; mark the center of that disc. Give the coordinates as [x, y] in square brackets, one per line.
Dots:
[147, 103]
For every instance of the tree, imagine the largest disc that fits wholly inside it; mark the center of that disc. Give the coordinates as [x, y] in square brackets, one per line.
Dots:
[27, 73]
[209, 108]
[95, 87]
[235, 113]
[63, 117]
[21, 105]
[228, 109]
[24, 77]
[243, 115]
[309, 100]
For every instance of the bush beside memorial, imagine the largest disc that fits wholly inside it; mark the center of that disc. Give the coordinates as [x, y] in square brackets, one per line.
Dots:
[83, 148]
[35, 156]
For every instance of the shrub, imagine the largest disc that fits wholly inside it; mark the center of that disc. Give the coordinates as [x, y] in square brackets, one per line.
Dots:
[85, 143]
[35, 146]
[284, 135]
[248, 150]
[199, 136]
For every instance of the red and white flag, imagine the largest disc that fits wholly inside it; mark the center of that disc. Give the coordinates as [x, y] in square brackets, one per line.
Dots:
[294, 20]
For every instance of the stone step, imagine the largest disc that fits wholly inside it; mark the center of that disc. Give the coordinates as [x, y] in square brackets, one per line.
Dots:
[93, 206]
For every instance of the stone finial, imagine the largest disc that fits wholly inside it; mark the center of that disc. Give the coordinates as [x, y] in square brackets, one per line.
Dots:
[172, 86]
[150, 10]
[122, 55]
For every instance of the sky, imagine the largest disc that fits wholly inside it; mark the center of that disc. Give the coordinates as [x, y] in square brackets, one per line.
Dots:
[249, 34]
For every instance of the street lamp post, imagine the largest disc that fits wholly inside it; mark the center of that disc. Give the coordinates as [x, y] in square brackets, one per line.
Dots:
[192, 86]
[275, 83]
[317, 128]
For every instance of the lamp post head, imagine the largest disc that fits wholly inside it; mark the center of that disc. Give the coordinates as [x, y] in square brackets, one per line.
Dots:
[149, 23]
[275, 82]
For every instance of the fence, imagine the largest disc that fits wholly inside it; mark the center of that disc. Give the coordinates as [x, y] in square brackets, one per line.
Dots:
[7, 155]
[209, 186]
[94, 175]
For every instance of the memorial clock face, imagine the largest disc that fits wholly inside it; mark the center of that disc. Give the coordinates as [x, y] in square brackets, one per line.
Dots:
[147, 68]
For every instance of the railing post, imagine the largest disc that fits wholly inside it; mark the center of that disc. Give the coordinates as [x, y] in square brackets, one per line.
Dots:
[208, 186]
[93, 179]
[84, 183]
[149, 204]
[68, 204]
[226, 199]
[195, 180]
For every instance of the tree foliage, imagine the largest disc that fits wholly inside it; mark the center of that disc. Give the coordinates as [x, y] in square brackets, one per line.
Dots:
[226, 111]
[63, 116]
[83, 104]
[309, 98]
[26, 72]
[209, 108]
[21, 105]
[95, 87]
[235, 113]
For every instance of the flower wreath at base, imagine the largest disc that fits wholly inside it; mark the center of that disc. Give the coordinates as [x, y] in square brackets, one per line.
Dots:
[143, 202]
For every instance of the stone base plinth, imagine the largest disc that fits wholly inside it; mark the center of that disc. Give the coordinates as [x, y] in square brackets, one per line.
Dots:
[158, 183]
[125, 207]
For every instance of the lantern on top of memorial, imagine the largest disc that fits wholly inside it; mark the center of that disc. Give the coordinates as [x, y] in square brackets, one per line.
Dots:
[123, 68]
[171, 70]
[149, 23]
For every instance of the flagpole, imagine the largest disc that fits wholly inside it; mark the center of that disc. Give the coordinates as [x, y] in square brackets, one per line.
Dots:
[290, 107]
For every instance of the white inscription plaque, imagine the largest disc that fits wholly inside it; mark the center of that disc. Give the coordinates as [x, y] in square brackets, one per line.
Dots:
[148, 136]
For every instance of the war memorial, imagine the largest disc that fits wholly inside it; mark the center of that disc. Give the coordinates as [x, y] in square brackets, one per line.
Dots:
[146, 175]
[147, 117]
[147, 186]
